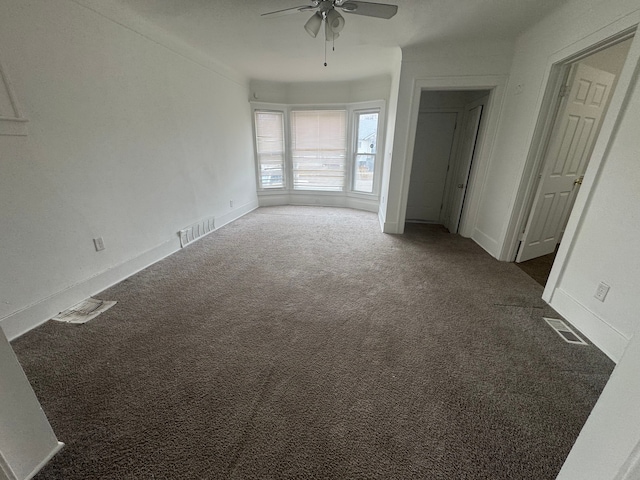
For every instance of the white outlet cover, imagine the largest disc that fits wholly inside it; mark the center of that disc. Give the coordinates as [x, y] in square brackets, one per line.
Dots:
[601, 291]
[98, 243]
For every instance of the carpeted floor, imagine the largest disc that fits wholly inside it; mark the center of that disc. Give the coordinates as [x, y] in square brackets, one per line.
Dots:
[300, 342]
[539, 268]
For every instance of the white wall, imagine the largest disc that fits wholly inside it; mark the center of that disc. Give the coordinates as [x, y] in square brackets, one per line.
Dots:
[608, 447]
[610, 59]
[449, 99]
[127, 140]
[600, 243]
[606, 247]
[390, 130]
[567, 32]
[318, 93]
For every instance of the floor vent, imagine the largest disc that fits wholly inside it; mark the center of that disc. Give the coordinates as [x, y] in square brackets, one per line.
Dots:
[565, 332]
[197, 230]
[84, 311]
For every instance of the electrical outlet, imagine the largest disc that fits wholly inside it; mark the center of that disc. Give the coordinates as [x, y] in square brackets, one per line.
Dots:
[231, 203]
[98, 243]
[601, 291]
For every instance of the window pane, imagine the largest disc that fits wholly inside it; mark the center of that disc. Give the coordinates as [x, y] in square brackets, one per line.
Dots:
[366, 148]
[363, 173]
[270, 148]
[367, 133]
[318, 149]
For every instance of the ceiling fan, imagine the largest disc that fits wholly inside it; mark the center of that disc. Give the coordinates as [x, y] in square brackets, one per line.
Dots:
[326, 11]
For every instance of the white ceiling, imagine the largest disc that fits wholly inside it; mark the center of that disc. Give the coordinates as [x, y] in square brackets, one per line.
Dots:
[278, 49]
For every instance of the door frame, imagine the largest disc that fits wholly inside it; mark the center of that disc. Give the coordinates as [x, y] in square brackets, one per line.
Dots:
[496, 85]
[558, 66]
[569, 73]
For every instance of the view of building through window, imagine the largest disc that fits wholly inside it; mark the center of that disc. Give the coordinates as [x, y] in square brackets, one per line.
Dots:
[365, 155]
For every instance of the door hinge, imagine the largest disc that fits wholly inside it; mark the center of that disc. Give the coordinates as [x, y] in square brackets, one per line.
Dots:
[564, 91]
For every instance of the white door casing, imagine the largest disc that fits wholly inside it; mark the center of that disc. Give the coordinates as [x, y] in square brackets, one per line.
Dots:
[470, 130]
[574, 134]
[431, 157]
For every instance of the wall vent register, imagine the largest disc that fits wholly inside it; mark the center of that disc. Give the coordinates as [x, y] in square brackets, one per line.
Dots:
[196, 231]
[565, 332]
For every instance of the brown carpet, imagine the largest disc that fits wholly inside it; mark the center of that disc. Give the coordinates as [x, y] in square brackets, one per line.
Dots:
[539, 268]
[300, 342]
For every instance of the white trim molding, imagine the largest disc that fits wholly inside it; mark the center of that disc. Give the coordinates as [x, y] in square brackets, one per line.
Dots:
[612, 342]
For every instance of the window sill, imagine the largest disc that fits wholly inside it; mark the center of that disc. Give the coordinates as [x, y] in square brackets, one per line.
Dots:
[358, 201]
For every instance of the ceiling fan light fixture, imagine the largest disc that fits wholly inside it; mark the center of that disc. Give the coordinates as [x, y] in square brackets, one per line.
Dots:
[329, 34]
[335, 21]
[349, 7]
[313, 24]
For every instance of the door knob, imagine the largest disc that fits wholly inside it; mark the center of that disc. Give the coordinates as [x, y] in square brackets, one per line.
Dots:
[461, 185]
[578, 181]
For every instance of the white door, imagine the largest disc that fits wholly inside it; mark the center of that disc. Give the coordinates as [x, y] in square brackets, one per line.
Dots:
[469, 140]
[431, 156]
[574, 135]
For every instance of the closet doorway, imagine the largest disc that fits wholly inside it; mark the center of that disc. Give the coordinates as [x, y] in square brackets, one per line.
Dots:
[447, 134]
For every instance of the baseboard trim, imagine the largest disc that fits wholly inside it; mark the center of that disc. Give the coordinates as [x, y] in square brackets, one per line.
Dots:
[28, 318]
[46, 460]
[392, 228]
[236, 213]
[318, 200]
[489, 244]
[31, 316]
[612, 342]
[381, 219]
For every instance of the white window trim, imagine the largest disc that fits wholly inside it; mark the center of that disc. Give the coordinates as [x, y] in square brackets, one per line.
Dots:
[350, 198]
[285, 126]
[377, 169]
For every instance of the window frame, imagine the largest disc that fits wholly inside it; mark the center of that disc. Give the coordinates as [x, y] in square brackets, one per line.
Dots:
[377, 172]
[353, 110]
[347, 162]
[258, 170]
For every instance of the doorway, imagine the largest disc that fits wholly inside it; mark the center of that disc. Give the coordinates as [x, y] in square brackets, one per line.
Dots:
[448, 129]
[587, 87]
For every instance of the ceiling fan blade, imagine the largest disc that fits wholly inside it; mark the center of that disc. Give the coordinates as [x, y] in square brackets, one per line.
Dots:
[287, 11]
[379, 10]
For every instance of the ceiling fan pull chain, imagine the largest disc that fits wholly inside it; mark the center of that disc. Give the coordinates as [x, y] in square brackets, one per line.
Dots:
[325, 53]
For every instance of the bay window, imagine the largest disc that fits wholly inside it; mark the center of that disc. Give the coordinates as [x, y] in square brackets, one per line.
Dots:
[323, 151]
